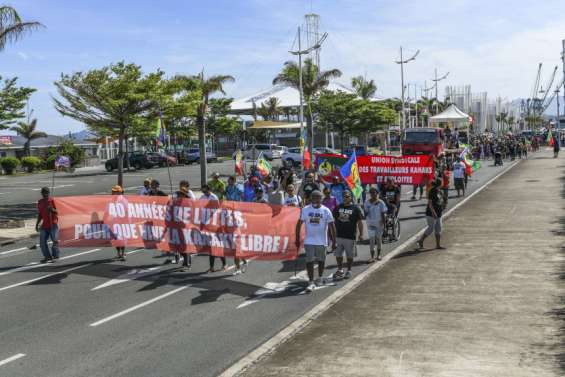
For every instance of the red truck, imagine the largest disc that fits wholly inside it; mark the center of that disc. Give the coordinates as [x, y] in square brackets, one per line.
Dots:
[422, 141]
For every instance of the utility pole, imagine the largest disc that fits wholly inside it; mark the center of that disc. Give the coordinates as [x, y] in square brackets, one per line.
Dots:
[402, 62]
[557, 98]
[563, 60]
[436, 81]
[301, 52]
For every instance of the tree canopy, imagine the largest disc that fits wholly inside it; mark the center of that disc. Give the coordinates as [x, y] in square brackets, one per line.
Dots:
[13, 100]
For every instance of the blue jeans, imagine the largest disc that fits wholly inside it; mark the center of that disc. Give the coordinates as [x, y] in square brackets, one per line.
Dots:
[44, 236]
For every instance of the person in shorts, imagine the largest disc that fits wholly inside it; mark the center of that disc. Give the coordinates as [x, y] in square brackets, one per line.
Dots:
[348, 217]
[375, 211]
[317, 220]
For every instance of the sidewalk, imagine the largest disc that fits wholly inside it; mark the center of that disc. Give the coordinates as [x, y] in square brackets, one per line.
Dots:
[492, 304]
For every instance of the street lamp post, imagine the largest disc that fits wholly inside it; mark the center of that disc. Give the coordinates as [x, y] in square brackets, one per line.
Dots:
[436, 81]
[301, 52]
[402, 62]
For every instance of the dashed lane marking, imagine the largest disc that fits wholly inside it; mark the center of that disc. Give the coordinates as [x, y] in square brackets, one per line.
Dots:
[12, 358]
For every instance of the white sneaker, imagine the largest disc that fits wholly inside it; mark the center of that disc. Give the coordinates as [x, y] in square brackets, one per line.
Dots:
[236, 272]
[310, 287]
[244, 266]
[348, 275]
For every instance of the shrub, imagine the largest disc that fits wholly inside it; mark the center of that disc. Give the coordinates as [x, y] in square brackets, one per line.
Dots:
[31, 163]
[66, 148]
[9, 164]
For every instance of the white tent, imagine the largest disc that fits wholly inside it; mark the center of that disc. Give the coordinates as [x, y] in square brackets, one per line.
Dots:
[287, 96]
[451, 115]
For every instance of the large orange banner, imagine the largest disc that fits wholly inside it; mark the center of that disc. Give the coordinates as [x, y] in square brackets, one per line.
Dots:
[247, 230]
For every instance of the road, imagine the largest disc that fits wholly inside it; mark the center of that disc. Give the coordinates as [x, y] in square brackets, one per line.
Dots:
[18, 195]
[89, 315]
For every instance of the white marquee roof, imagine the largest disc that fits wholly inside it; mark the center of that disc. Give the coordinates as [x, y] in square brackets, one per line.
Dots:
[287, 96]
[451, 114]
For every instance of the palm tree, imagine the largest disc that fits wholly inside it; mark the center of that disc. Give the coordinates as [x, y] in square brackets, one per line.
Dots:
[207, 86]
[269, 109]
[364, 89]
[313, 81]
[28, 130]
[501, 119]
[12, 28]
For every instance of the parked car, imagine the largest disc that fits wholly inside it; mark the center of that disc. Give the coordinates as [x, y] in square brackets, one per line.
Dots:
[278, 150]
[294, 155]
[163, 159]
[137, 160]
[252, 151]
[360, 150]
[193, 156]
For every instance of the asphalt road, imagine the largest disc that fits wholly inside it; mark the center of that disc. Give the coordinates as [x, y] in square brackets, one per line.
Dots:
[19, 194]
[89, 315]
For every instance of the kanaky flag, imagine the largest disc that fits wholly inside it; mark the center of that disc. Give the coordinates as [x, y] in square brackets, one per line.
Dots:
[307, 159]
[238, 163]
[350, 175]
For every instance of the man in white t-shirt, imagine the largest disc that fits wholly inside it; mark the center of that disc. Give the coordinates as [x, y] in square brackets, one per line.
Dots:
[375, 211]
[317, 219]
[207, 194]
[292, 199]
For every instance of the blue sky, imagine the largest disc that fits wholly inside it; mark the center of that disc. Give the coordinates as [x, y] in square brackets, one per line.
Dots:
[493, 45]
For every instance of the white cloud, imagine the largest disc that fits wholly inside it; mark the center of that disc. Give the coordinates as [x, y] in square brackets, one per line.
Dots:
[23, 55]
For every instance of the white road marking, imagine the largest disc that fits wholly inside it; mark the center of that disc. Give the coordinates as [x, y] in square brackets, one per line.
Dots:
[44, 277]
[30, 266]
[12, 358]
[134, 251]
[3, 193]
[133, 274]
[138, 306]
[12, 251]
[299, 324]
[56, 187]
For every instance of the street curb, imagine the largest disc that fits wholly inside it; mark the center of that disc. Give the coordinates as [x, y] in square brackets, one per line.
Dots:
[289, 331]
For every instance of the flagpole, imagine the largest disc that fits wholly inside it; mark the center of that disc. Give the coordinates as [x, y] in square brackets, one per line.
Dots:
[165, 150]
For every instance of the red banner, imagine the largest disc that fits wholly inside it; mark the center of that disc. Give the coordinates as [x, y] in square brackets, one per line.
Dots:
[406, 170]
[246, 230]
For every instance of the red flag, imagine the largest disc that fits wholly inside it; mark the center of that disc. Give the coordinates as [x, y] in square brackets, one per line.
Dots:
[551, 141]
[307, 159]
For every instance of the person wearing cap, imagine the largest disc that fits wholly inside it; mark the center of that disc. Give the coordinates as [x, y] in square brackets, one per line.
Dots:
[120, 250]
[337, 189]
[317, 220]
[155, 191]
[434, 211]
[146, 189]
[217, 186]
[47, 218]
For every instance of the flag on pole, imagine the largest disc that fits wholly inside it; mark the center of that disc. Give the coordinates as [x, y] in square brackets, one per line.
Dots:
[549, 139]
[62, 161]
[238, 163]
[350, 175]
[263, 166]
[307, 159]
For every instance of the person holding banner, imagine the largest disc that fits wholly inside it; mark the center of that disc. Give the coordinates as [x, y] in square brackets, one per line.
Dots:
[375, 211]
[317, 220]
[434, 211]
[47, 218]
[120, 250]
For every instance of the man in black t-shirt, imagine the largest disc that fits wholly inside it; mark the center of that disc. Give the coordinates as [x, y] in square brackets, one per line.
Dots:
[434, 211]
[307, 187]
[348, 218]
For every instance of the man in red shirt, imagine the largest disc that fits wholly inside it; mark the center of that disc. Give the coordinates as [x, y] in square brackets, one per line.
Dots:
[47, 218]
